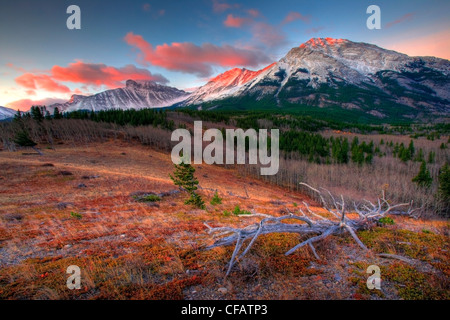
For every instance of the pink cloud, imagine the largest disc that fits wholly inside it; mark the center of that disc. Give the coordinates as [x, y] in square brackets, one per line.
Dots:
[292, 16]
[253, 12]
[100, 74]
[314, 30]
[190, 58]
[42, 82]
[403, 18]
[25, 104]
[146, 7]
[220, 7]
[267, 34]
[87, 74]
[234, 22]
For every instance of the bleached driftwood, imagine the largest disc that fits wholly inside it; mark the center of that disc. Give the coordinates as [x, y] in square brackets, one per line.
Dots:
[308, 223]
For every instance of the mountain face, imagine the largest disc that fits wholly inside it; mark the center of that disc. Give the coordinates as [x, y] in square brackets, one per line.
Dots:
[6, 113]
[136, 95]
[223, 85]
[340, 74]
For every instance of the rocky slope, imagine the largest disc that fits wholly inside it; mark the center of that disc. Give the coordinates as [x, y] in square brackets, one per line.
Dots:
[343, 74]
[136, 95]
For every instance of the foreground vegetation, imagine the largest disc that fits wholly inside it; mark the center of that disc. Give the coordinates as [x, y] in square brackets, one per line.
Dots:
[110, 208]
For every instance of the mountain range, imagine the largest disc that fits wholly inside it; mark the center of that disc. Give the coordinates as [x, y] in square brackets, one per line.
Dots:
[323, 76]
[6, 113]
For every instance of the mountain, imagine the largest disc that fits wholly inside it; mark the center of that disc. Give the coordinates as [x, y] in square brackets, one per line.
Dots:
[338, 75]
[6, 113]
[136, 95]
[223, 85]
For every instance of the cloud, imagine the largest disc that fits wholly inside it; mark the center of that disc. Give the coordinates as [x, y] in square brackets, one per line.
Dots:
[267, 34]
[314, 30]
[190, 58]
[403, 18]
[40, 82]
[253, 12]
[234, 22]
[100, 74]
[146, 7]
[220, 7]
[87, 74]
[263, 33]
[25, 104]
[293, 16]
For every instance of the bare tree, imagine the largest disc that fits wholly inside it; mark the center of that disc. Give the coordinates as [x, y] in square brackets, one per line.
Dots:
[311, 223]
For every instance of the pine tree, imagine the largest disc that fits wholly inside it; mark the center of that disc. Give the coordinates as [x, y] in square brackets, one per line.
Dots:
[216, 199]
[423, 178]
[56, 114]
[444, 185]
[36, 113]
[411, 149]
[18, 116]
[23, 139]
[183, 177]
[431, 157]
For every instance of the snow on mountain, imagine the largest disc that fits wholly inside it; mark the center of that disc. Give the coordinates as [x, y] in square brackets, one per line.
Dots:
[223, 85]
[6, 113]
[325, 72]
[136, 95]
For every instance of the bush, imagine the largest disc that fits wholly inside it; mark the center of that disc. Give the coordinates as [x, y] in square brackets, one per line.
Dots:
[385, 221]
[216, 199]
[76, 215]
[238, 212]
[148, 198]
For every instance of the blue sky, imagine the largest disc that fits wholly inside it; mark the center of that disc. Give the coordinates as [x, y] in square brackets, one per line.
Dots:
[184, 43]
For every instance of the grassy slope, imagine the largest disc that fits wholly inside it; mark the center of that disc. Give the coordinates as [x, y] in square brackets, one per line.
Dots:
[130, 249]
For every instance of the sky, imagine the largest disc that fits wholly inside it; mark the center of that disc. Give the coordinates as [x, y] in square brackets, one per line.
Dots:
[184, 43]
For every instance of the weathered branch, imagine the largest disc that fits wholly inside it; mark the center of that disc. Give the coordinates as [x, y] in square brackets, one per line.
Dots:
[314, 224]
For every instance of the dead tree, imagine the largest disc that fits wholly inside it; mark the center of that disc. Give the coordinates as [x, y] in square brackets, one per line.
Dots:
[310, 223]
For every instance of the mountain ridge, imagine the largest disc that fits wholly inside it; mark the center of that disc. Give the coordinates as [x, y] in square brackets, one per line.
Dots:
[320, 73]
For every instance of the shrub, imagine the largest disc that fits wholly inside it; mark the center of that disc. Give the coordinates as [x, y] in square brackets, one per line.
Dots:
[238, 212]
[76, 215]
[386, 220]
[148, 198]
[216, 199]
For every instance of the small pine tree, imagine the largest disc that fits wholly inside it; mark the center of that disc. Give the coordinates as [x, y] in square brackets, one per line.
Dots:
[431, 157]
[183, 177]
[216, 199]
[36, 113]
[23, 139]
[56, 114]
[444, 185]
[411, 149]
[18, 116]
[423, 178]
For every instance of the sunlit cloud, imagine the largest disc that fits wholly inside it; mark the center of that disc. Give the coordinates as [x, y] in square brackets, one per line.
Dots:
[190, 58]
[293, 16]
[403, 18]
